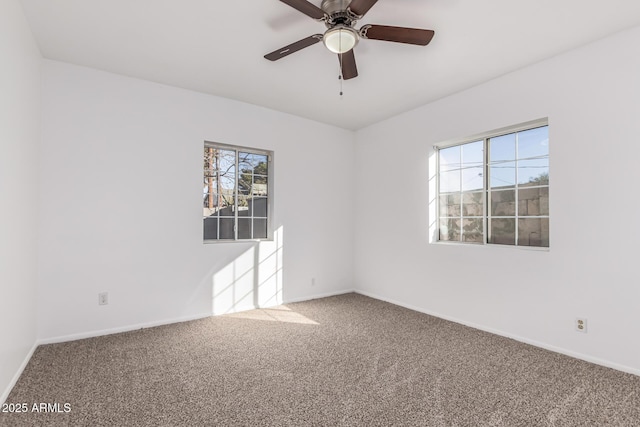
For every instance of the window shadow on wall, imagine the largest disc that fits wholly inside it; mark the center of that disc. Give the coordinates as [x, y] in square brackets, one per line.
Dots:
[433, 202]
[254, 279]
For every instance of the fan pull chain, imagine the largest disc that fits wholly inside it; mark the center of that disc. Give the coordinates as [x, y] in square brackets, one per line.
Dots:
[340, 77]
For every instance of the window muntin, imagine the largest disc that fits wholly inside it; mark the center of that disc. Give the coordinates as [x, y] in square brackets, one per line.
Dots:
[496, 189]
[237, 193]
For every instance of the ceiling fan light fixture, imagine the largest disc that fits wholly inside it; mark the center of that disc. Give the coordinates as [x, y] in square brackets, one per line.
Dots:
[340, 39]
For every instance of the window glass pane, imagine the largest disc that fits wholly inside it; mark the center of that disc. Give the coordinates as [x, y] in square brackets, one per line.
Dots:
[450, 229]
[533, 201]
[226, 207]
[533, 143]
[503, 174]
[226, 228]
[213, 179]
[259, 228]
[244, 162]
[502, 148]
[533, 172]
[472, 204]
[503, 203]
[472, 166]
[244, 205]
[533, 232]
[261, 164]
[502, 231]
[208, 152]
[244, 183]
[260, 185]
[244, 228]
[259, 207]
[450, 181]
[450, 205]
[224, 163]
[224, 181]
[211, 228]
[227, 181]
[472, 154]
[209, 203]
[472, 179]
[252, 162]
[472, 230]
[449, 158]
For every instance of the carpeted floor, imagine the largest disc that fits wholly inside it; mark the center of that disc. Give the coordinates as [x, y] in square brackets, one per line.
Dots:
[341, 361]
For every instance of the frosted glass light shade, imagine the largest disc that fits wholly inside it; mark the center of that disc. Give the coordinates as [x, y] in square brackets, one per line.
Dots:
[340, 39]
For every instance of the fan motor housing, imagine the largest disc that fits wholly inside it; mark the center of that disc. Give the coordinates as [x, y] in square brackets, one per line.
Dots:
[332, 6]
[336, 11]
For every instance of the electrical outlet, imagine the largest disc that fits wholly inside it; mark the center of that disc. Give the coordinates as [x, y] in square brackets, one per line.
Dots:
[581, 324]
[103, 298]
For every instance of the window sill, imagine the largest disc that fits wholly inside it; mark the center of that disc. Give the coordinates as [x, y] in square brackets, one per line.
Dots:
[490, 245]
[214, 242]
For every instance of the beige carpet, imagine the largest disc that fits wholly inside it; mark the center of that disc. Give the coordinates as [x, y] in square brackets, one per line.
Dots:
[341, 361]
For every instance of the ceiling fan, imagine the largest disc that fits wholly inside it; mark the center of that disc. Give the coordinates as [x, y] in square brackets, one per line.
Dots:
[341, 37]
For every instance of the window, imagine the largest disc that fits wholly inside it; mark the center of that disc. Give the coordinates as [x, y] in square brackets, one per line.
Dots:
[494, 189]
[237, 193]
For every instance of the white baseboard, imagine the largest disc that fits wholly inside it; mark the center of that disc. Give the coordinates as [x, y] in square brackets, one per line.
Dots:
[585, 357]
[14, 380]
[128, 328]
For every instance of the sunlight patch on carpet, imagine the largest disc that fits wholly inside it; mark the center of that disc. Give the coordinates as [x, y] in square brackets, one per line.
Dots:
[275, 314]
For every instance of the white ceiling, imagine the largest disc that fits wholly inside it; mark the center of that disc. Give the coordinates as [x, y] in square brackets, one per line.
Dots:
[217, 47]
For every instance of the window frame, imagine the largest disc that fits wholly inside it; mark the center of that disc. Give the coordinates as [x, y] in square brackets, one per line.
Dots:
[270, 194]
[486, 197]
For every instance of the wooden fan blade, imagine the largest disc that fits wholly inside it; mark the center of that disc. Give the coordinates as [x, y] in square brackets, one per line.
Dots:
[293, 47]
[360, 7]
[397, 34]
[348, 64]
[305, 7]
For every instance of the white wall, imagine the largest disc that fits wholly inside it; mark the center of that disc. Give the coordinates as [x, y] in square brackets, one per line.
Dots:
[120, 206]
[19, 132]
[592, 99]
[117, 207]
